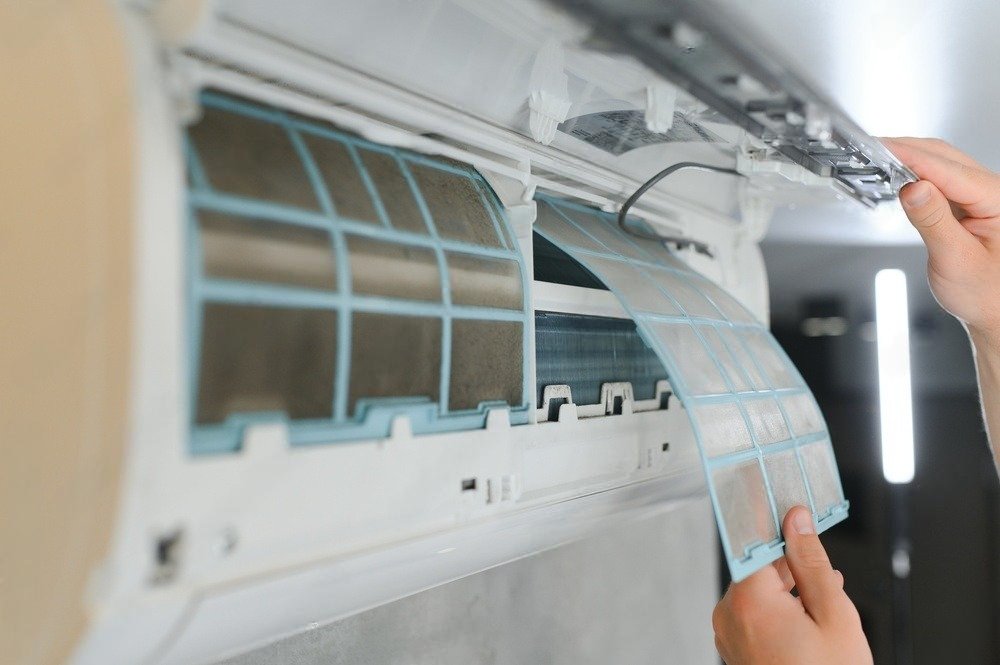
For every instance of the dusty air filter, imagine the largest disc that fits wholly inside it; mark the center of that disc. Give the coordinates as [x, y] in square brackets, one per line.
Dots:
[763, 442]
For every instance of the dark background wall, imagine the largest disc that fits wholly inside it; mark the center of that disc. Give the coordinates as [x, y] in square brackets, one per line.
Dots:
[950, 509]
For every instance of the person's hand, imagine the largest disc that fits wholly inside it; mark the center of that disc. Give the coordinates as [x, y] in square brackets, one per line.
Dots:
[759, 621]
[956, 208]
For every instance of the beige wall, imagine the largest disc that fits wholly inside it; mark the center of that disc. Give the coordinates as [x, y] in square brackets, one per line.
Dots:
[66, 170]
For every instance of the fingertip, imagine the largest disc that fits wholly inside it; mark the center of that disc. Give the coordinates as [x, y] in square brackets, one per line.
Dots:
[916, 194]
[799, 520]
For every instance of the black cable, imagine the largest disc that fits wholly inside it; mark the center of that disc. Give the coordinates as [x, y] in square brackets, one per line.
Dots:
[681, 242]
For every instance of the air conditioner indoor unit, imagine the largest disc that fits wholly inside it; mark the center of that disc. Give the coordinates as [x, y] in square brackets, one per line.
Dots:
[332, 302]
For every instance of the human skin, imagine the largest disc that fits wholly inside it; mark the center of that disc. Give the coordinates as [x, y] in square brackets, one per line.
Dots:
[955, 206]
[760, 622]
[956, 209]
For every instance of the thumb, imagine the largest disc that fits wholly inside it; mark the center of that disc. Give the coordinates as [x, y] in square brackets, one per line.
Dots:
[930, 213]
[819, 586]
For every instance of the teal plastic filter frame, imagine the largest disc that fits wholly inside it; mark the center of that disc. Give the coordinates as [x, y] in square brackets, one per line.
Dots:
[295, 205]
[763, 442]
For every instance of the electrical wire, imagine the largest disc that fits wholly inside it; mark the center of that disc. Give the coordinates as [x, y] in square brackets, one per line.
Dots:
[679, 241]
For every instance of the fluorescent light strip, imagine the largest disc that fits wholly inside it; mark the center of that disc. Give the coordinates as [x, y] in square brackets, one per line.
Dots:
[895, 400]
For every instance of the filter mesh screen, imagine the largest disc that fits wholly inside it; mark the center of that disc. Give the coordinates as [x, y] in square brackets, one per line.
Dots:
[787, 484]
[821, 473]
[802, 414]
[754, 419]
[480, 281]
[723, 429]
[767, 421]
[393, 270]
[255, 250]
[694, 360]
[691, 301]
[229, 141]
[337, 285]
[744, 507]
[646, 295]
[731, 366]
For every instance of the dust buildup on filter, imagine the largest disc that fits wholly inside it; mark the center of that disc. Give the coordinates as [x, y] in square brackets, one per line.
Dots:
[723, 429]
[762, 347]
[393, 270]
[251, 158]
[559, 230]
[605, 230]
[725, 358]
[480, 281]
[263, 359]
[256, 250]
[634, 287]
[726, 303]
[697, 368]
[394, 191]
[766, 419]
[487, 363]
[739, 351]
[787, 484]
[343, 181]
[817, 459]
[456, 205]
[745, 507]
[690, 300]
[394, 356]
[803, 415]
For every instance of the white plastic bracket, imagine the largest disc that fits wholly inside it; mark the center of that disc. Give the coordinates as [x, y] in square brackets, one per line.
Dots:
[265, 440]
[550, 393]
[549, 102]
[497, 419]
[620, 392]
[761, 165]
[661, 101]
[663, 388]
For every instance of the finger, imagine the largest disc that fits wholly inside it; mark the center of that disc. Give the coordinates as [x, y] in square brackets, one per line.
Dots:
[786, 575]
[819, 588]
[972, 188]
[986, 230]
[929, 212]
[933, 146]
[745, 600]
[840, 578]
[765, 582]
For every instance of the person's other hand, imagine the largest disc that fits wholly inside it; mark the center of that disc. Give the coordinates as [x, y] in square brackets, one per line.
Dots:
[956, 208]
[759, 621]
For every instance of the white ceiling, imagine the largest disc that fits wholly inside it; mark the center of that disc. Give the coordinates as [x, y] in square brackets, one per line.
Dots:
[923, 69]
[898, 68]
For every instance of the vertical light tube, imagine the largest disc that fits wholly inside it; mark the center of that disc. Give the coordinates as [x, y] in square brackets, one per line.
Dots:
[895, 400]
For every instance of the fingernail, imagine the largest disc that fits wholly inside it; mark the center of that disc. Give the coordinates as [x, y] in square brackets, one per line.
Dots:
[802, 522]
[915, 194]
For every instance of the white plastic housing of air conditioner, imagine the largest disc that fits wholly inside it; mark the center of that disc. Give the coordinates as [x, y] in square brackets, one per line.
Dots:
[214, 555]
